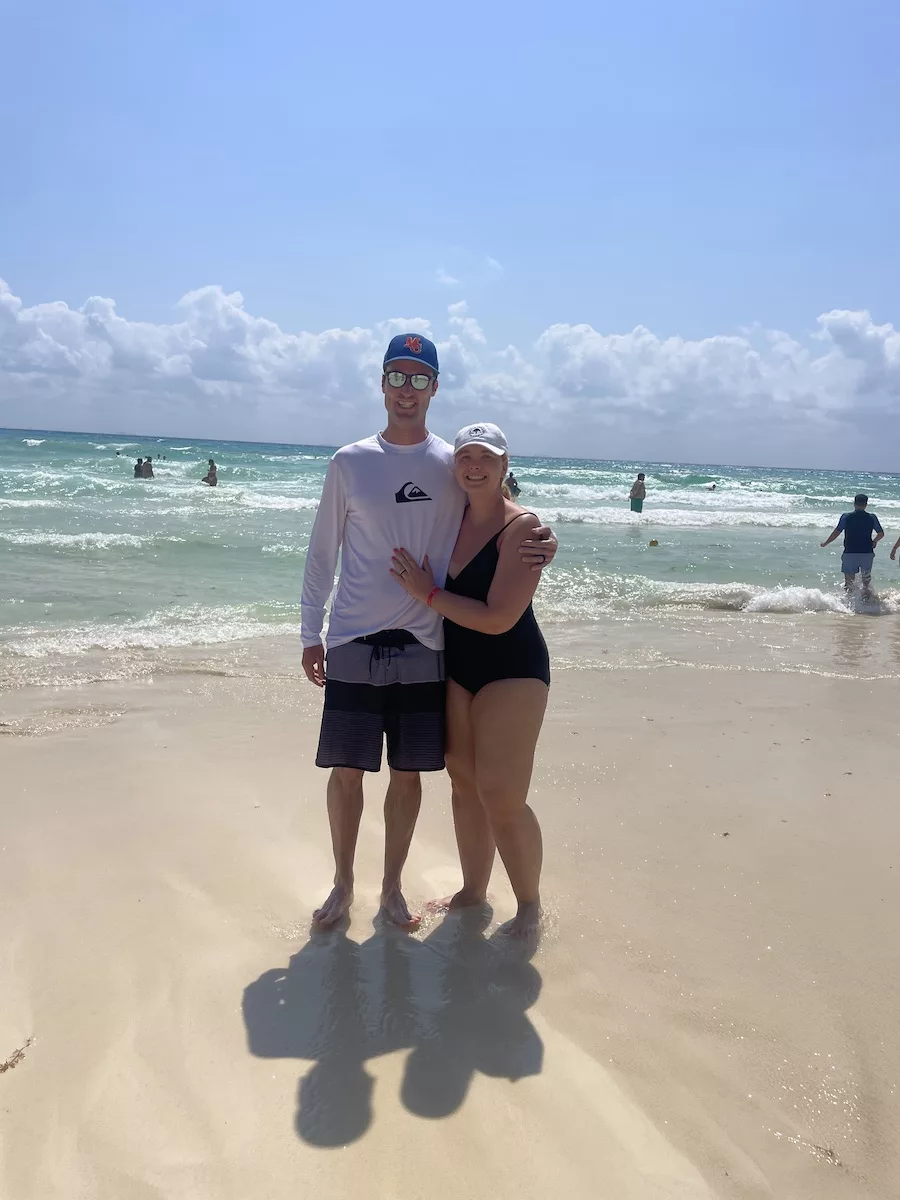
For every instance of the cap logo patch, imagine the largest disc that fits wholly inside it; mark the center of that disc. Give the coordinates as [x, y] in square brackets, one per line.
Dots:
[477, 431]
[414, 344]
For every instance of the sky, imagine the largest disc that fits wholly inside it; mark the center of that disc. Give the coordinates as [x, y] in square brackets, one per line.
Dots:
[647, 231]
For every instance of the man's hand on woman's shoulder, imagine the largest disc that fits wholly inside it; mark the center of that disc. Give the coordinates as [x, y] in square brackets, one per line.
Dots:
[539, 547]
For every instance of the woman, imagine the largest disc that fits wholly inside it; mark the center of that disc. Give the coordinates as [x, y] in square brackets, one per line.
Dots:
[498, 673]
[211, 477]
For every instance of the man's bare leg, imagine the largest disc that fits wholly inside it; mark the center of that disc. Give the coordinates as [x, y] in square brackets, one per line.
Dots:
[345, 805]
[401, 810]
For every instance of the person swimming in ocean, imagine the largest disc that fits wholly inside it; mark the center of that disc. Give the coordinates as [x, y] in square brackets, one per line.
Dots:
[139, 469]
[147, 468]
[211, 477]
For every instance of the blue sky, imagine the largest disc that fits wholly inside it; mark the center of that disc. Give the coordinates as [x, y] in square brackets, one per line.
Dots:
[695, 168]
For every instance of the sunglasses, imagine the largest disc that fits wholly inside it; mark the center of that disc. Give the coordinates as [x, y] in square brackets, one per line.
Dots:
[398, 379]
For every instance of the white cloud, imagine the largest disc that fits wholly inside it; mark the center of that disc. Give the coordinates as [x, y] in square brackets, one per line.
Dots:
[467, 326]
[443, 277]
[494, 268]
[831, 397]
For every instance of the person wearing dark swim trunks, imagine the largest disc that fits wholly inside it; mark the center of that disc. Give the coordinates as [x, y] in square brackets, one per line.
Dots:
[498, 674]
[383, 676]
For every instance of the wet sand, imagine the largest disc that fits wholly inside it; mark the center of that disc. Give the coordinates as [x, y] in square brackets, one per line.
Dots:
[712, 1011]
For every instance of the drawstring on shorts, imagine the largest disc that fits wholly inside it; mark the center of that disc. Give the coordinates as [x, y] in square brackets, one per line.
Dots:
[385, 643]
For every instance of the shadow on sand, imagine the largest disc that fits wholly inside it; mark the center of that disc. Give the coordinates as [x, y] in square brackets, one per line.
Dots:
[456, 1000]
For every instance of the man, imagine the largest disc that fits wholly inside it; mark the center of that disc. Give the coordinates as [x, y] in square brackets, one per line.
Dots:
[859, 545]
[385, 670]
[139, 469]
[638, 493]
[513, 484]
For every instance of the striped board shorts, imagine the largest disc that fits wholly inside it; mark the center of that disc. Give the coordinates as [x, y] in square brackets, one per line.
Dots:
[385, 685]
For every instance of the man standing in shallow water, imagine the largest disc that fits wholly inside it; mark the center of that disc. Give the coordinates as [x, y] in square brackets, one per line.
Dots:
[384, 673]
[859, 545]
[638, 494]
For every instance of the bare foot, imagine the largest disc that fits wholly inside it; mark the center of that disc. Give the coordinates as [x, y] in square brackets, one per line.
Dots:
[335, 907]
[526, 923]
[397, 911]
[464, 898]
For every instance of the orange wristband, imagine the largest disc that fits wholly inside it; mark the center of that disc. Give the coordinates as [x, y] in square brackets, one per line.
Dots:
[431, 595]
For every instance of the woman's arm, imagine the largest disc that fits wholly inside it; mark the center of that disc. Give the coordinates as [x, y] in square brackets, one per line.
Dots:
[511, 591]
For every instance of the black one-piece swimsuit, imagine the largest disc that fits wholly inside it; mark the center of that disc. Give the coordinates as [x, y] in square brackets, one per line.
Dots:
[474, 659]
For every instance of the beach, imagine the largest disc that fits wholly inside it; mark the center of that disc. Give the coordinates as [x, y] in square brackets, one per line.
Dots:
[711, 1011]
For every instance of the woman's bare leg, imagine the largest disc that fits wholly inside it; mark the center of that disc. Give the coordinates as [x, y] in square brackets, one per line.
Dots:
[473, 831]
[506, 718]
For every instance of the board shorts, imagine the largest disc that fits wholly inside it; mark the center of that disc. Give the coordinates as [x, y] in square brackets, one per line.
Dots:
[637, 505]
[851, 563]
[386, 685]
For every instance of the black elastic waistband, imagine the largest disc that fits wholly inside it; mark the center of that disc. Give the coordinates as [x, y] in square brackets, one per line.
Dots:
[395, 638]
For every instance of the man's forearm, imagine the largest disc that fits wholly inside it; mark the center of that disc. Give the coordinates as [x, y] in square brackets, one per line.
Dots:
[318, 582]
[322, 556]
[312, 618]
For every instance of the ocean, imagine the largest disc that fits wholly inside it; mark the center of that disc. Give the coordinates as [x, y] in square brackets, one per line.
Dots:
[123, 574]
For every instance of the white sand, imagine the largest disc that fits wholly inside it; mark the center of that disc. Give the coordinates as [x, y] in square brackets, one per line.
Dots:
[708, 1016]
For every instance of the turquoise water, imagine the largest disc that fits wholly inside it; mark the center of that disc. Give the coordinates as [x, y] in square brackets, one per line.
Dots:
[94, 559]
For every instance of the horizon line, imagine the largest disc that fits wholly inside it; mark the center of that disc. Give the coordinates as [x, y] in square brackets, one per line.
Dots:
[552, 457]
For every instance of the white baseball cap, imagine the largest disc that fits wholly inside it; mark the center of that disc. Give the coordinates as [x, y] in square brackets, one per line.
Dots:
[490, 436]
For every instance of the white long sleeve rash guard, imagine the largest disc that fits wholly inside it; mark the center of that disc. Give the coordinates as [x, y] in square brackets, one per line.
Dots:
[378, 496]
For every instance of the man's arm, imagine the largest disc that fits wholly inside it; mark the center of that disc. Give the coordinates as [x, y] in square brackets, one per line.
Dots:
[318, 574]
[879, 532]
[837, 531]
[896, 547]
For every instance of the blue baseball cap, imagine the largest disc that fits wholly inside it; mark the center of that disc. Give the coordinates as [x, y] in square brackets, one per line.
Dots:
[414, 347]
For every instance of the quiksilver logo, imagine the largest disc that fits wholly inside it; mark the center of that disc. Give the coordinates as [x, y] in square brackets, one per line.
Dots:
[410, 492]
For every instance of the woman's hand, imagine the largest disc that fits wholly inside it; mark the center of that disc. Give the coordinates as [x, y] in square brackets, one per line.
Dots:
[418, 581]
